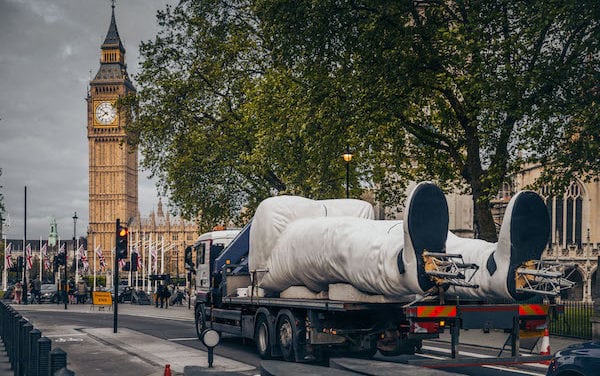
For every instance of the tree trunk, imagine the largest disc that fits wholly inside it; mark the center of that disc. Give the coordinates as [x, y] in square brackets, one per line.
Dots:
[483, 221]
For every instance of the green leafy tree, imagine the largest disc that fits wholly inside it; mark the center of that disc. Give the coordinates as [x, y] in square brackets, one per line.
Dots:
[239, 100]
[462, 92]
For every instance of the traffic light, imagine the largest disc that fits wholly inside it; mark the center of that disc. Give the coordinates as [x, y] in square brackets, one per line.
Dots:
[122, 242]
[188, 258]
[60, 259]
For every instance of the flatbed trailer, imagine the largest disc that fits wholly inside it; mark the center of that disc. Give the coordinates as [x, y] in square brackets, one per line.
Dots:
[305, 330]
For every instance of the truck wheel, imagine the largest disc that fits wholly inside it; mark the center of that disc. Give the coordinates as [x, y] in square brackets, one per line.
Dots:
[262, 338]
[200, 321]
[286, 336]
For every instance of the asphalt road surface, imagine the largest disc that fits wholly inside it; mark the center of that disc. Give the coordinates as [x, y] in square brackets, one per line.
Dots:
[64, 326]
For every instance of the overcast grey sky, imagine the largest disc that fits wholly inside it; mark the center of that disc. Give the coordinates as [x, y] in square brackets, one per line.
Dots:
[47, 50]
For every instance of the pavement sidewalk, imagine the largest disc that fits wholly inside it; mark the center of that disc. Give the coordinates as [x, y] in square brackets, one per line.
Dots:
[99, 351]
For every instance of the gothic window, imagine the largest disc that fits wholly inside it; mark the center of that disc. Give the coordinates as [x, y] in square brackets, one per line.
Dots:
[566, 214]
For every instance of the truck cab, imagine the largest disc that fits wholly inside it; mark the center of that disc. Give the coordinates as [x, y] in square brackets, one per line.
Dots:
[208, 247]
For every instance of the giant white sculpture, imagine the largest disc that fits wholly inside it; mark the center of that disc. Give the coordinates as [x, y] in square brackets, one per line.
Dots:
[310, 243]
[295, 241]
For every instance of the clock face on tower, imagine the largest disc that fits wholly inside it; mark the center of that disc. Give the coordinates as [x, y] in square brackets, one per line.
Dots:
[105, 113]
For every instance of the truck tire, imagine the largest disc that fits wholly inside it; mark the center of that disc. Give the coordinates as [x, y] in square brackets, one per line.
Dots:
[199, 320]
[287, 336]
[262, 337]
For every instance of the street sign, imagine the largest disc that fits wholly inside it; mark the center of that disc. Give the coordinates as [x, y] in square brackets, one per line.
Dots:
[101, 298]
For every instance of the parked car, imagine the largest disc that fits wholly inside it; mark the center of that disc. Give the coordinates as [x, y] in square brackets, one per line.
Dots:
[48, 293]
[582, 359]
[124, 293]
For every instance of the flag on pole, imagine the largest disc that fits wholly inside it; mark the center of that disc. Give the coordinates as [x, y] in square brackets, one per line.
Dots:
[83, 257]
[44, 253]
[121, 263]
[153, 253]
[8, 254]
[100, 257]
[29, 258]
[139, 259]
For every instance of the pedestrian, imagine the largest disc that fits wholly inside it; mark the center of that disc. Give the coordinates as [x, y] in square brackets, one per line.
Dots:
[37, 289]
[167, 296]
[160, 295]
[71, 291]
[18, 292]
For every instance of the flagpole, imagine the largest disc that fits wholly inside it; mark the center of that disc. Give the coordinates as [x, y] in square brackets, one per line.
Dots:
[149, 263]
[4, 275]
[24, 293]
[130, 251]
[112, 262]
[41, 271]
[77, 263]
[57, 272]
[143, 263]
[94, 288]
[137, 239]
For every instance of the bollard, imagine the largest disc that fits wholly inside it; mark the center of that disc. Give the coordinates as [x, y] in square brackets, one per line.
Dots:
[12, 338]
[44, 346]
[58, 360]
[19, 346]
[34, 335]
[27, 328]
[3, 312]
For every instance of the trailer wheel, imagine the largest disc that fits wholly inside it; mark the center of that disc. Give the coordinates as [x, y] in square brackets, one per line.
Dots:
[262, 337]
[286, 336]
[200, 320]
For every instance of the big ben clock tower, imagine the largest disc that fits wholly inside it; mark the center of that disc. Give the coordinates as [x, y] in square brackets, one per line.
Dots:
[113, 171]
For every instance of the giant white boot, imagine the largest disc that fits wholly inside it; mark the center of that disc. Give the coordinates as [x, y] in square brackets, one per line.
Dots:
[523, 236]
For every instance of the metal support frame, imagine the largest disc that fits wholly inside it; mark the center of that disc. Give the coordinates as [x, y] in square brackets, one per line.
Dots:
[544, 277]
[449, 269]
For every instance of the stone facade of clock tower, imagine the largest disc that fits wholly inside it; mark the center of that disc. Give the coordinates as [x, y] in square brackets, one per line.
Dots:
[113, 164]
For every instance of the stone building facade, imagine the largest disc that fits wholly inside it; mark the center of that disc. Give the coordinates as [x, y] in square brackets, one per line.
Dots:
[113, 171]
[113, 164]
[575, 228]
[168, 235]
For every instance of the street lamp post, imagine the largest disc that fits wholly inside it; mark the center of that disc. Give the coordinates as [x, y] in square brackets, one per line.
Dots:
[75, 247]
[347, 158]
[177, 263]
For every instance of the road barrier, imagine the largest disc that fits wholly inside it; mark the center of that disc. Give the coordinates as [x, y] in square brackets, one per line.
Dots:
[29, 353]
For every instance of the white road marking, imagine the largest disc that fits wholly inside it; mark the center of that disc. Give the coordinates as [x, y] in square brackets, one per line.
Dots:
[475, 355]
[183, 339]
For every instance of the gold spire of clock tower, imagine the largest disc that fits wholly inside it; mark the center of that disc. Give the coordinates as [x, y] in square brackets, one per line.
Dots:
[113, 164]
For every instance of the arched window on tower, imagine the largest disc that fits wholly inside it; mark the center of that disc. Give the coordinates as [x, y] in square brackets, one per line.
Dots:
[566, 215]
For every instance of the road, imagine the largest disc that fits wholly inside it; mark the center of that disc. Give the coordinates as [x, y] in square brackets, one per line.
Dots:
[68, 330]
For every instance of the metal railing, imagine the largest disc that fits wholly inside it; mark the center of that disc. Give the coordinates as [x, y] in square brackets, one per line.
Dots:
[29, 353]
[571, 319]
